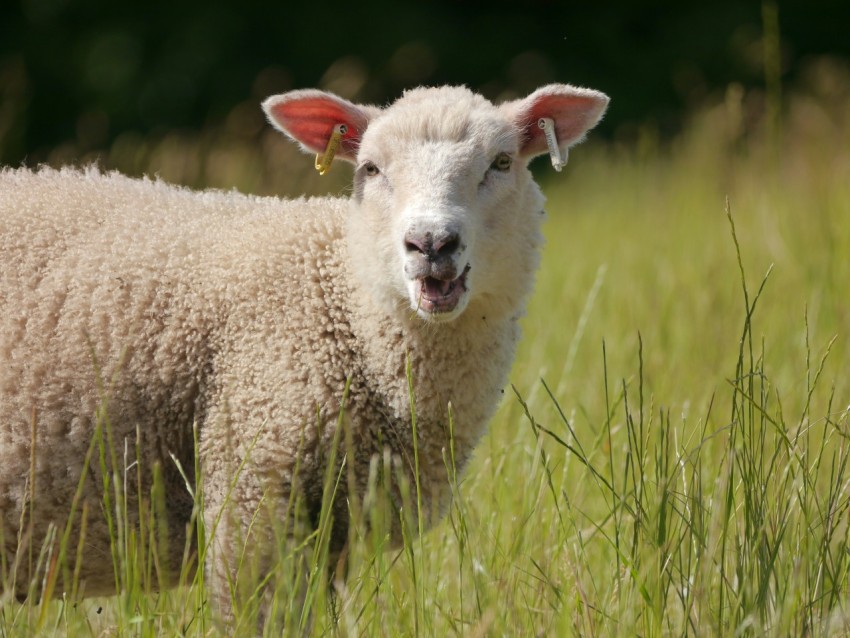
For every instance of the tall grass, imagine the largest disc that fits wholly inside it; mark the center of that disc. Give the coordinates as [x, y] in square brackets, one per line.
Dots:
[672, 456]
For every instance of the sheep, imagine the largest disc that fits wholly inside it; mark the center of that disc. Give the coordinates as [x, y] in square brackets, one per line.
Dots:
[245, 331]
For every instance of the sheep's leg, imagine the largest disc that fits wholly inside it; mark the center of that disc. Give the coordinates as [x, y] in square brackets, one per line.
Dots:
[258, 563]
[252, 462]
[222, 550]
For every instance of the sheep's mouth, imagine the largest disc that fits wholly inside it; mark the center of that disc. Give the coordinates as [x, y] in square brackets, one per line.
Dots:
[438, 295]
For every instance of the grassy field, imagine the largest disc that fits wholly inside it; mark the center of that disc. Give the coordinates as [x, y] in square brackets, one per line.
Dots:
[672, 458]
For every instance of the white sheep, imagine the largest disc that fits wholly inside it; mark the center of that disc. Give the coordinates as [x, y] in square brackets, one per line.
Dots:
[147, 308]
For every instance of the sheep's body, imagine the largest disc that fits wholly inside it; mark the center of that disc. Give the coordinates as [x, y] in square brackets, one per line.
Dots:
[117, 304]
[160, 308]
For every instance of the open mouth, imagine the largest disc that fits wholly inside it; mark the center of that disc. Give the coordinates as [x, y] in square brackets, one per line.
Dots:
[437, 295]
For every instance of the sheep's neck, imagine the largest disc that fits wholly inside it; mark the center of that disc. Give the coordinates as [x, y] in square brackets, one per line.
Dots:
[464, 363]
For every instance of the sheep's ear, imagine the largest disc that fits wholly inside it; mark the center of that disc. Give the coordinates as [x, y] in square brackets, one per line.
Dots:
[309, 117]
[573, 110]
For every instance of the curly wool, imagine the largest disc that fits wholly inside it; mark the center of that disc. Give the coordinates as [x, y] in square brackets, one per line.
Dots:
[152, 304]
[132, 311]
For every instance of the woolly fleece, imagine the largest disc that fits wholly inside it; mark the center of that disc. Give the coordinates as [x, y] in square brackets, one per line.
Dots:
[154, 308]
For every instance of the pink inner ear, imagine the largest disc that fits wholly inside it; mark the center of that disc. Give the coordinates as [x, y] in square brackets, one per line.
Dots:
[574, 113]
[310, 117]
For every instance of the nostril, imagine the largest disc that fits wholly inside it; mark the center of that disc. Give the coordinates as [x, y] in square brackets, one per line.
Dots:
[448, 246]
[415, 245]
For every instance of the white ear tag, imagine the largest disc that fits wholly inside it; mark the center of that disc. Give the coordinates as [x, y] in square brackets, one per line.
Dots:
[558, 160]
[324, 161]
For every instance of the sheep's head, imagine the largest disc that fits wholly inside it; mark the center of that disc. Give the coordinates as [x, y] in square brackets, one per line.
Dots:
[446, 214]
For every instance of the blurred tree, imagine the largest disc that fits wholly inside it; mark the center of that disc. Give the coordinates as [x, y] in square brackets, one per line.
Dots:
[80, 72]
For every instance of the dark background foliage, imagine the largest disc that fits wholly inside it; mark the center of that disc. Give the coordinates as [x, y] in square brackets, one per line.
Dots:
[81, 72]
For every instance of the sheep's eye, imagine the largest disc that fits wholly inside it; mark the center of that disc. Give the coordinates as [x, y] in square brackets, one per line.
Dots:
[370, 169]
[502, 162]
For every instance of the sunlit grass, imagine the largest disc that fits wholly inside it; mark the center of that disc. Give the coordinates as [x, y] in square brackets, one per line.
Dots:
[672, 456]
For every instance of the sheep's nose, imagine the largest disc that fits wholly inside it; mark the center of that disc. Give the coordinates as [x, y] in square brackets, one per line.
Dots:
[433, 247]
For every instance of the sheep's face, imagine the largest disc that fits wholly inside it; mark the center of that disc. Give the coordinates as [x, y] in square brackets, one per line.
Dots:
[435, 178]
[445, 215]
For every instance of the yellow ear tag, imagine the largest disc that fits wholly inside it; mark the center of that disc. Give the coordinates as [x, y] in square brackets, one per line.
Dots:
[558, 160]
[324, 161]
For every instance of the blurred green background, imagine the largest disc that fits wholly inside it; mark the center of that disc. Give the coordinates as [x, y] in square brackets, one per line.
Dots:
[113, 80]
[739, 105]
